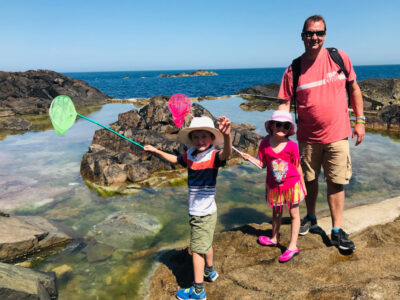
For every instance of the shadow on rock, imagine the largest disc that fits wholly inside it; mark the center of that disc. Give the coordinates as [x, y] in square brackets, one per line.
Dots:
[325, 239]
[179, 262]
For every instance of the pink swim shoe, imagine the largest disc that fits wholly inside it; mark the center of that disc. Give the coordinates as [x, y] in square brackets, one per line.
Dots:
[288, 255]
[266, 241]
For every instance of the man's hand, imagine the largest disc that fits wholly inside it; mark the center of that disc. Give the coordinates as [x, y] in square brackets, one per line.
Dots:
[359, 131]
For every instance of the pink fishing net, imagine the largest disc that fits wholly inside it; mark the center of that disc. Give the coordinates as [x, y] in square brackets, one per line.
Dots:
[179, 106]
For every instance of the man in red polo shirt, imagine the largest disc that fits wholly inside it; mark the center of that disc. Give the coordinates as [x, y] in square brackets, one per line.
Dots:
[324, 125]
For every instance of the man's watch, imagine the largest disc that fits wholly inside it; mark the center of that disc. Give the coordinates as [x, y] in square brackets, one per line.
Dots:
[360, 120]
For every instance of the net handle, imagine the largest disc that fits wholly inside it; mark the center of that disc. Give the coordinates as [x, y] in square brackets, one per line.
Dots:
[109, 129]
[250, 159]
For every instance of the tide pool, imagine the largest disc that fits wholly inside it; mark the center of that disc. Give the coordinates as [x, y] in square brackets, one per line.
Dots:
[40, 175]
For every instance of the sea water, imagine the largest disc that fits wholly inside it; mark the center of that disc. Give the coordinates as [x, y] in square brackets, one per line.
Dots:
[145, 84]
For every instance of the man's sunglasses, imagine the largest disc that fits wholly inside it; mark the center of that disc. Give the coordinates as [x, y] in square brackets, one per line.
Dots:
[286, 125]
[309, 34]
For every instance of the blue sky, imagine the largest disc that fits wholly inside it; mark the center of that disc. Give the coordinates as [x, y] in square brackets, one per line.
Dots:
[88, 35]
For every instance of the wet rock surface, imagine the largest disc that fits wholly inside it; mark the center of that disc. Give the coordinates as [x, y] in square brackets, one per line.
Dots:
[388, 118]
[20, 236]
[111, 160]
[250, 271]
[22, 283]
[31, 93]
[121, 228]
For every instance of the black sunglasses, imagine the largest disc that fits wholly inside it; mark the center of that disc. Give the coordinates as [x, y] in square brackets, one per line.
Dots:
[309, 34]
[286, 125]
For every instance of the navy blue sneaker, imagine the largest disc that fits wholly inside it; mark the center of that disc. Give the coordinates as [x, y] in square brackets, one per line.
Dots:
[307, 225]
[342, 241]
[190, 293]
[212, 276]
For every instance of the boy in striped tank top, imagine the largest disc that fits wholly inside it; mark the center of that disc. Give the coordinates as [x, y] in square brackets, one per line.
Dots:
[202, 161]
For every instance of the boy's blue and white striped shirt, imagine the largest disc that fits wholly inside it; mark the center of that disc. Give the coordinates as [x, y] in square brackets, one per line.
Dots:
[202, 179]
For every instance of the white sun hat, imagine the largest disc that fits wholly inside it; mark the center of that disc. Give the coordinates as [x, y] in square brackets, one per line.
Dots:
[201, 123]
[281, 116]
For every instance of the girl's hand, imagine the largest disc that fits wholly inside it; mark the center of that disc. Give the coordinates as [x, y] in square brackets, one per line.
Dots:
[224, 125]
[150, 148]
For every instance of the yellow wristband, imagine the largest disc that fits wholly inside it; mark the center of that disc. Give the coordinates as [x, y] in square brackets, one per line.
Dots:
[360, 122]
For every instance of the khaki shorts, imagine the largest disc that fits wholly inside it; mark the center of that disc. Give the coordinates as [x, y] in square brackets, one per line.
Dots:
[202, 232]
[333, 157]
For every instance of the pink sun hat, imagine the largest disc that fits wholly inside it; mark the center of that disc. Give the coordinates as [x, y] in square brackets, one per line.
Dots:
[281, 116]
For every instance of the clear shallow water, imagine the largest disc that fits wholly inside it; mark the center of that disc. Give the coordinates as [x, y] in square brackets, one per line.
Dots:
[39, 174]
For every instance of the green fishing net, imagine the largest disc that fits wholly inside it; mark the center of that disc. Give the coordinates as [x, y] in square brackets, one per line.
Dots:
[62, 114]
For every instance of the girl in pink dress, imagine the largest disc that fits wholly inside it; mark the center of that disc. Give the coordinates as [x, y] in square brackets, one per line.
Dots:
[284, 182]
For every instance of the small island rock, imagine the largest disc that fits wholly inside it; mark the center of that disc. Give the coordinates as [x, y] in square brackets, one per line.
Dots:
[193, 74]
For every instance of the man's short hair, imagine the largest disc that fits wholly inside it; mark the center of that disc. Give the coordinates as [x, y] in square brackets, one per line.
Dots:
[314, 18]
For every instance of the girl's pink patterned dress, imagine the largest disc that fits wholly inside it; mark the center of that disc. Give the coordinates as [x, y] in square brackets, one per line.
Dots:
[283, 183]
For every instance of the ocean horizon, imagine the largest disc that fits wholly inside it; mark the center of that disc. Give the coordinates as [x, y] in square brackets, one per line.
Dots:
[146, 84]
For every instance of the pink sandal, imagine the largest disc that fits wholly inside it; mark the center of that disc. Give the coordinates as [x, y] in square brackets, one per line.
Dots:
[288, 255]
[266, 241]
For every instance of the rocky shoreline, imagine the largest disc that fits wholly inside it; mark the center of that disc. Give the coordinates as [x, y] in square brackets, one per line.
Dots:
[31, 93]
[251, 271]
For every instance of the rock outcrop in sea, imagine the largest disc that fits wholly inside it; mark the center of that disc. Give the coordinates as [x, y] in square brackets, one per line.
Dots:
[31, 93]
[193, 74]
[382, 103]
[113, 161]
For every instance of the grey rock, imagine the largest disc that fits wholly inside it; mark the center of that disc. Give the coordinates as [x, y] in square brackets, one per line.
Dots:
[112, 160]
[98, 252]
[21, 236]
[22, 283]
[388, 118]
[266, 91]
[16, 124]
[31, 92]
[379, 92]
[121, 228]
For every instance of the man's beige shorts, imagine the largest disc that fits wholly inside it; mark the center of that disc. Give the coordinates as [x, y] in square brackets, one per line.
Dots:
[202, 232]
[333, 157]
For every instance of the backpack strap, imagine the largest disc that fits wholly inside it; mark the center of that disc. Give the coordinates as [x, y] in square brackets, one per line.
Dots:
[337, 58]
[334, 54]
[296, 71]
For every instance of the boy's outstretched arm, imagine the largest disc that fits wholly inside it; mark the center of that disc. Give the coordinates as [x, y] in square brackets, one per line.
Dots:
[167, 156]
[251, 158]
[224, 125]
